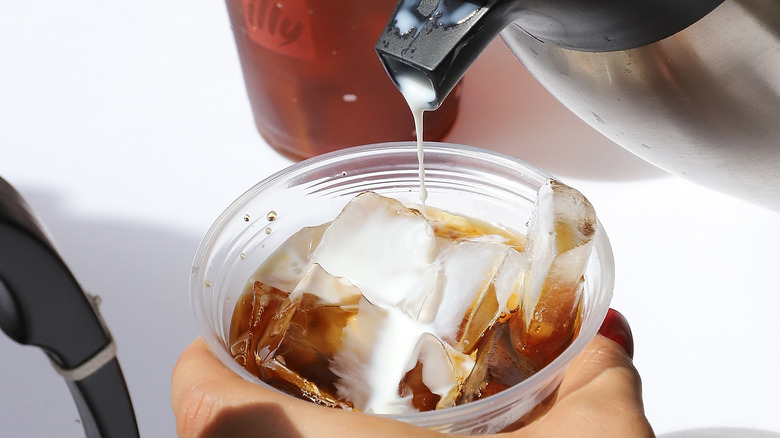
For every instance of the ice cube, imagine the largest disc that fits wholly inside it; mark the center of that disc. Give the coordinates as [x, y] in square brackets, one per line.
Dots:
[477, 281]
[289, 340]
[284, 379]
[285, 267]
[386, 249]
[259, 325]
[467, 272]
[558, 247]
[376, 345]
[313, 336]
[324, 306]
[332, 290]
[509, 280]
[434, 374]
[457, 228]
[498, 366]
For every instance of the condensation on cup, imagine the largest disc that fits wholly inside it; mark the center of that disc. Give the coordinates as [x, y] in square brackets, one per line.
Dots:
[314, 80]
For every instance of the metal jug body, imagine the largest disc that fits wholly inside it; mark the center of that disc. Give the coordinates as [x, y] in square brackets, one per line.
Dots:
[696, 93]
[703, 103]
[436, 41]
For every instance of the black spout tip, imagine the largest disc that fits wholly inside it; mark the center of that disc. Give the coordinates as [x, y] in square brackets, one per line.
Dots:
[418, 85]
[439, 41]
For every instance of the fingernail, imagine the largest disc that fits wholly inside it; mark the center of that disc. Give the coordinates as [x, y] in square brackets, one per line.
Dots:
[615, 327]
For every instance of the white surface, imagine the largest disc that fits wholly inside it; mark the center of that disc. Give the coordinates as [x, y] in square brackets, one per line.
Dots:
[126, 127]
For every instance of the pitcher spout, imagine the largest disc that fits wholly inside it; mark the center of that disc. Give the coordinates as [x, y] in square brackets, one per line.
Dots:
[435, 41]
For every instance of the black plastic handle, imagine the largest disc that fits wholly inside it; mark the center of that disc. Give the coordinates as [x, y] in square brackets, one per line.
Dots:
[42, 304]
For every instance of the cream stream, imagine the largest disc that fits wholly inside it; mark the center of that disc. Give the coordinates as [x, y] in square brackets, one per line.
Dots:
[419, 93]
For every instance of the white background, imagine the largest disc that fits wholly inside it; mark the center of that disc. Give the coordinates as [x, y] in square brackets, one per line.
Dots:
[126, 127]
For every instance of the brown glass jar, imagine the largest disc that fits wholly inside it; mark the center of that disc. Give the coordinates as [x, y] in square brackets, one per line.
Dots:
[314, 80]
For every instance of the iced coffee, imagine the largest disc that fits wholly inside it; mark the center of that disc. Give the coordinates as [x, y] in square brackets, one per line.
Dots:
[394, 309]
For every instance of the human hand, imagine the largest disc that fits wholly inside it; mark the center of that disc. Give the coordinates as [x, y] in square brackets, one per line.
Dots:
[600, 396]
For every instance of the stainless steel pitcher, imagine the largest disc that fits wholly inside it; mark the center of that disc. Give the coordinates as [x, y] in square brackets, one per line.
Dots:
[692, 87]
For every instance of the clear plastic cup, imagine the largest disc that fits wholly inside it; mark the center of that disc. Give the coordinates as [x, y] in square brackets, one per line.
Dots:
[461, 179]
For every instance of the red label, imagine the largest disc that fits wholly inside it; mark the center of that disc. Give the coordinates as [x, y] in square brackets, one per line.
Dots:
[280, 25]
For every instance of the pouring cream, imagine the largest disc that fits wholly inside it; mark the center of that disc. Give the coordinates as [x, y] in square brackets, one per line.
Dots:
[420, 94]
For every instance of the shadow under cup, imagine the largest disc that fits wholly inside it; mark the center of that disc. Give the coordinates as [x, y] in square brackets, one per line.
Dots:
[460, 179]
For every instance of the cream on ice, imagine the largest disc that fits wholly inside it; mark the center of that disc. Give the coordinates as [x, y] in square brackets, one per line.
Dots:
[386, 310]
